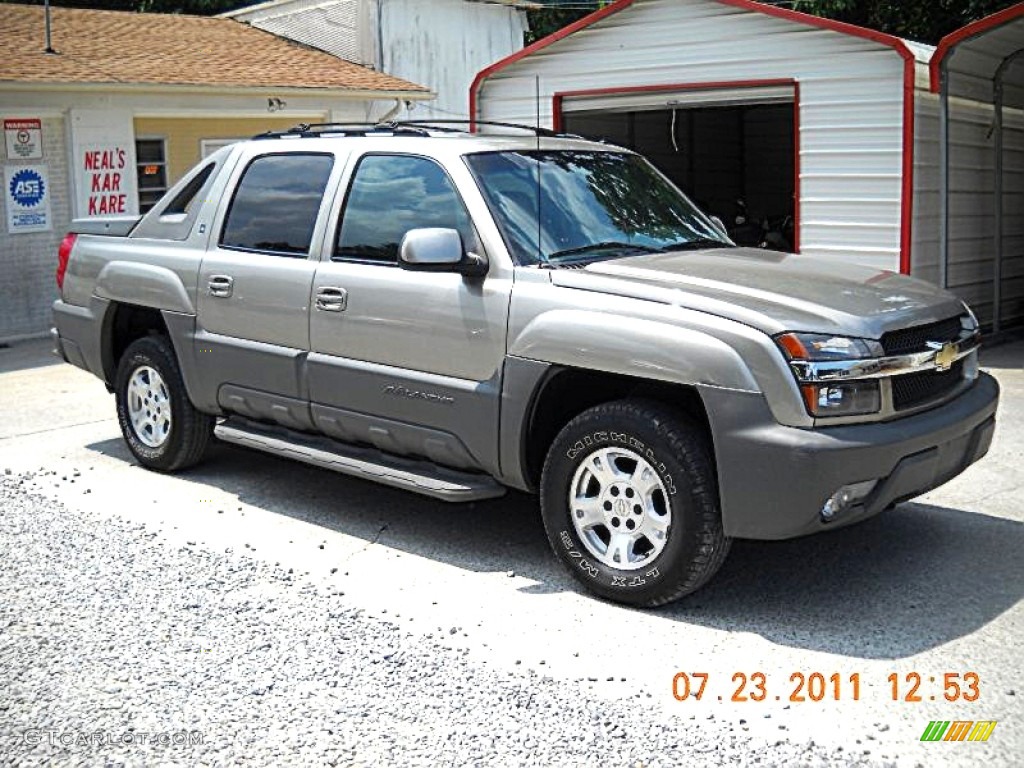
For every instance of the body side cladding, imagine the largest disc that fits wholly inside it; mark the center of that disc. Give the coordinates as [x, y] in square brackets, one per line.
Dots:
[522, 384]
[181, 328]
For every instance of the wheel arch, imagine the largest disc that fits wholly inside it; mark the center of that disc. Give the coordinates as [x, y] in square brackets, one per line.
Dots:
[122, 324]
[562, 393]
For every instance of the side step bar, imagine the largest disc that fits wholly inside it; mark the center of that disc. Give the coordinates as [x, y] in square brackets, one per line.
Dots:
[367, 463]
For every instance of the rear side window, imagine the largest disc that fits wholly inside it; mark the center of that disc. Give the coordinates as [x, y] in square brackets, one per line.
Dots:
[182, 202]
[391, 194]
[276, 204]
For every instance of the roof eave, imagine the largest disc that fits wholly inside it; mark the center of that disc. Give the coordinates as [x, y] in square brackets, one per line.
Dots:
[261, 90]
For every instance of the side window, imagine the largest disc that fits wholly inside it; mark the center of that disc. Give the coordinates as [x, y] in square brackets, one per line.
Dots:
[182, 202]
[276, 204]
[391, 194]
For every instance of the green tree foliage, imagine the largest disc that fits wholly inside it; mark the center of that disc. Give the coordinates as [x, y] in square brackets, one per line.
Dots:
[924, 20]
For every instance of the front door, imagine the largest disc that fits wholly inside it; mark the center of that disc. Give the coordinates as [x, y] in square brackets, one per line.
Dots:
[252, 333]
[409, 362]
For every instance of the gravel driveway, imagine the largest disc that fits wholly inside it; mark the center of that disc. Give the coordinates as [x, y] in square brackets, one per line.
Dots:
[109, 638]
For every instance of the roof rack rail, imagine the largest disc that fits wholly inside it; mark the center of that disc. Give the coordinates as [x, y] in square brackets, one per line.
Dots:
[534, 129]
[400, 128]
[312, 130]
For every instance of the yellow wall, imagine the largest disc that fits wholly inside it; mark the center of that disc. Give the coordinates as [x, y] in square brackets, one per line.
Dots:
[183, 135]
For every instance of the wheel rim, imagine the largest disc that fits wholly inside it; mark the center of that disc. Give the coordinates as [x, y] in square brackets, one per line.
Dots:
[149, 406]
[619, 508]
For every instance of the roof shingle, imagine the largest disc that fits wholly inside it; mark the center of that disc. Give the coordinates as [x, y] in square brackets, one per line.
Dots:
[169, 49]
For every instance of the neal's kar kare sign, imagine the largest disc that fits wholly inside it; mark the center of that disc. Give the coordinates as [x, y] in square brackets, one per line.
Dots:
[27, 198]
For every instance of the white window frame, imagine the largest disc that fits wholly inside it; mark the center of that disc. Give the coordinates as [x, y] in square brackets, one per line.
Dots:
[208, 146]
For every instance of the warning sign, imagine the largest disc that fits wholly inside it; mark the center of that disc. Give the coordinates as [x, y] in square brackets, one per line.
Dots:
[24, 139]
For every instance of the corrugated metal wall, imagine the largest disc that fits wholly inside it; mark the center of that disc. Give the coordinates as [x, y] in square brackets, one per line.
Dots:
[336, 27]
[443, 44]
[851, 102]
[971, 204]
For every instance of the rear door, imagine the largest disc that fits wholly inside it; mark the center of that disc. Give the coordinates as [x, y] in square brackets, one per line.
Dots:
[252, 333]
[409, 362]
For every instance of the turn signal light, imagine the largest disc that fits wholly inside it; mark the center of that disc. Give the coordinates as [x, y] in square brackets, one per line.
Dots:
[848, 398]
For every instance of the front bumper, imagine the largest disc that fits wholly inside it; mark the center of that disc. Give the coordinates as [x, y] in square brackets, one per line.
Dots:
[774, 480]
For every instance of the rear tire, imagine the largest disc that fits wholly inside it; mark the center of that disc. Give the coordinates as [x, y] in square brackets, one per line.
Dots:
[162, 428]
[630, 504]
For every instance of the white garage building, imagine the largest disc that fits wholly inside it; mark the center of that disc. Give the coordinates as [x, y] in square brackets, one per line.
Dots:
[832, 124]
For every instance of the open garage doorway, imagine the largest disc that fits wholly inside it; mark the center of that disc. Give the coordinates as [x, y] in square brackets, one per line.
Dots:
[731, 151]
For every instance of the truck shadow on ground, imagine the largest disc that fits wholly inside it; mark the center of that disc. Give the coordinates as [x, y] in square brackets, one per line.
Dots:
[910, 580]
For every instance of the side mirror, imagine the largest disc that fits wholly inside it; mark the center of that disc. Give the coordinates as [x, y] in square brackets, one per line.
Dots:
[438, 250]
[720, 225]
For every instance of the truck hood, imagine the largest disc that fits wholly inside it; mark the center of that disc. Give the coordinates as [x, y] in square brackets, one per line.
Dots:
[771, 291]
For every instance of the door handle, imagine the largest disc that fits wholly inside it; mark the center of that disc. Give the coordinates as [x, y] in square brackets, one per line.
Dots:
[330, 299]
[221, 285]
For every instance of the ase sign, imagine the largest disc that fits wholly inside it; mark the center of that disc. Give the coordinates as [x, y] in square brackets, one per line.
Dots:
[27, 193]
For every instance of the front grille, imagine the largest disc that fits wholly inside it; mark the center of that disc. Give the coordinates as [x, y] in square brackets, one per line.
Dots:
[916, 389]
[915, 339]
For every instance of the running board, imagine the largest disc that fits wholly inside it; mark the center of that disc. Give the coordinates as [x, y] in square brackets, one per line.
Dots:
[367, 463]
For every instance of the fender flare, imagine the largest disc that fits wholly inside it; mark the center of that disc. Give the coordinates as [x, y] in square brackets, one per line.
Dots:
[143, 285]
[635, 347]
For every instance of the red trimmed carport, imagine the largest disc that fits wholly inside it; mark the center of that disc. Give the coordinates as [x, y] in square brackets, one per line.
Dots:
[980, 68]
[912, 65]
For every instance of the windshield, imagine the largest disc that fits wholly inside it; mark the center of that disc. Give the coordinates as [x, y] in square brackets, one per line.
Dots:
[592, 205]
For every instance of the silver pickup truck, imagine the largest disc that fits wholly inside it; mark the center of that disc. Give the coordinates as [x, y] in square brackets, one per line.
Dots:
[455, 313]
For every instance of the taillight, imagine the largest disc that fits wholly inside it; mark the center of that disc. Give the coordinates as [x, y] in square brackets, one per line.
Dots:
[63, 254]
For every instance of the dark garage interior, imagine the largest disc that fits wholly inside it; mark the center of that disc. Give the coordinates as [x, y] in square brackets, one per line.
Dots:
[733, 161]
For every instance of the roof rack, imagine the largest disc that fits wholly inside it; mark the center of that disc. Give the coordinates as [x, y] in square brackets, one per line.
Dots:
[313, 130]
[400, 128]
[534, 129]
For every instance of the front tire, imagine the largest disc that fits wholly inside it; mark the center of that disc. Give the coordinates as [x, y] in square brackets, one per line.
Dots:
[162, 428]
[630, 504]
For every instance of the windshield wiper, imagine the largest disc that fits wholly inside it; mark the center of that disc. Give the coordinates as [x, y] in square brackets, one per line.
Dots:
[607, 245]
[695, 244]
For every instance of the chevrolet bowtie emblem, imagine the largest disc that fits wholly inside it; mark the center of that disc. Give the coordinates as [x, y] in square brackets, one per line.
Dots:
[945, 354]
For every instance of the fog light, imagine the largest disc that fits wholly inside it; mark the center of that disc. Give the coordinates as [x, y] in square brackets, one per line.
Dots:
[846, 497]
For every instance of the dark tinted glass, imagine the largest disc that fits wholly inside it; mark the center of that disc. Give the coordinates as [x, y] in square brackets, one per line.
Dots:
[183, 202]
[391, 194]
[276, 204]
[149, 151]
[586, 205]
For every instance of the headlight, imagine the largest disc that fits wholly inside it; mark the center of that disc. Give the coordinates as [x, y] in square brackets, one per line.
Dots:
[820, 347]
[855, 397]
[970, 322]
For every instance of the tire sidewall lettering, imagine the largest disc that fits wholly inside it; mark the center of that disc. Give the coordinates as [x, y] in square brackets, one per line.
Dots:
[602, 437]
